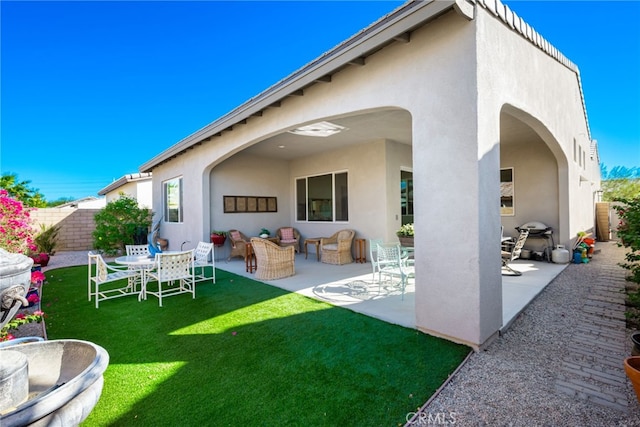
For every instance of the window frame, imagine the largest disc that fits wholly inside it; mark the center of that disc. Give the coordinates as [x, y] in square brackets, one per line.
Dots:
[337, 207]
[508, 210]
[167, 200]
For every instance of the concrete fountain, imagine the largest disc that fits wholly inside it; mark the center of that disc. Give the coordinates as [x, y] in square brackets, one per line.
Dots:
[43, 383]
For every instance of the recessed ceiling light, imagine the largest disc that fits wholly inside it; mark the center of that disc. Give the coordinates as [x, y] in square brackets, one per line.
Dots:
[281, 146]
[320, 129]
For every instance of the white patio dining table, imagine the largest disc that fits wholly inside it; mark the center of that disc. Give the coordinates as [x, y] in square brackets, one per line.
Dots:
[138, 262]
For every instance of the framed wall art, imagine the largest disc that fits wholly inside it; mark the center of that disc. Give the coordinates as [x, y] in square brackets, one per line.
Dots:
[249, 204]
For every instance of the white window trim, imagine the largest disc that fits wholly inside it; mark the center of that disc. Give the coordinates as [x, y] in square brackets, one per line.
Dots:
[165, 208]
[333, 197]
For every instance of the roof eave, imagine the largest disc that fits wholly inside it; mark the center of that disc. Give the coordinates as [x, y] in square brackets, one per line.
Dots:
[382, 32]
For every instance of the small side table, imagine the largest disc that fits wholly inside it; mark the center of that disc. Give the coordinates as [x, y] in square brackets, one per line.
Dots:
[312, 241]
[360, 246]
[250, 263]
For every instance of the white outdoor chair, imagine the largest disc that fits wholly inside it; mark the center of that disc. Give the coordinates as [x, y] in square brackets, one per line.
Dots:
[392, 262]
[202, 253]
[170, 267]
[102, 280]
[138, 250]
[373, 256]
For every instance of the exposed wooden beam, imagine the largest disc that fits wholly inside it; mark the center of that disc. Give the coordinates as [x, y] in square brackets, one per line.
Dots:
[357, 61]
[298, 92]
[324, 79]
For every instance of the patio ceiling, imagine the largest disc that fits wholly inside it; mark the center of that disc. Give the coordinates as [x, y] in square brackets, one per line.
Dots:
[389, 124]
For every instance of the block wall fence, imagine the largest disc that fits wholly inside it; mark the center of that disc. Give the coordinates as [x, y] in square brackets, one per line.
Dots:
[76, 226]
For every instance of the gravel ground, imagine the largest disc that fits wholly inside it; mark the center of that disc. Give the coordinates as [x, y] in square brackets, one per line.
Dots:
[513, 382]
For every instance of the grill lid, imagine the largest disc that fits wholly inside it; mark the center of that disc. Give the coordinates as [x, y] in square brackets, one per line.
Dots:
[534, 227]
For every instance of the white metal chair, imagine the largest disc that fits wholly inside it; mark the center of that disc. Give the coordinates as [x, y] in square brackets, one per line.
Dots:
[392, 262]
[373, 256]
[138, 250]
[201, 261]
[170, 267]
[513, 252]
[100, 274]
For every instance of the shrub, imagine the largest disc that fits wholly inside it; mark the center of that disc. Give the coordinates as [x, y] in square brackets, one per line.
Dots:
[46, 240]
[629, 233]
[405, 231]
[119, 223]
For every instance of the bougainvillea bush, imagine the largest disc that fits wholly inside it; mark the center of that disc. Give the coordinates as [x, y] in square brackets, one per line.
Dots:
[16, 232]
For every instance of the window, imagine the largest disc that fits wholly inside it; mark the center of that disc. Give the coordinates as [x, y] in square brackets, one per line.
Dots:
[506, 192]
[172, 200]
[406, 196]
[322, 198]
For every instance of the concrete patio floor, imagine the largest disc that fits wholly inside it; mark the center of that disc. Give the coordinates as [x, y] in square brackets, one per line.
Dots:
[352, 286]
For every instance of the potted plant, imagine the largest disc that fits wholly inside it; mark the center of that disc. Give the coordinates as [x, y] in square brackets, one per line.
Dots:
[264, 233]
[632, 369]
[41, 259]
[405, 235]
[218, 237]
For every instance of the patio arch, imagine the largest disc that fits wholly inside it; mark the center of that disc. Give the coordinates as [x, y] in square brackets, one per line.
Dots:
[540, 173]
[374, 139]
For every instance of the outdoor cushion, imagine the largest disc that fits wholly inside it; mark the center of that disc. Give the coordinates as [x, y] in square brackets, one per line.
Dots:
[287, 235]
[331, 246]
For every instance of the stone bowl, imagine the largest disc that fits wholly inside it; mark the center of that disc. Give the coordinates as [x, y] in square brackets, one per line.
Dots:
[65, 382]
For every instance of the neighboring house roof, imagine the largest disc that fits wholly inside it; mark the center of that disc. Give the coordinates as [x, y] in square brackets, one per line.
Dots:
[93, 201]
[132, 177]
[395, 26]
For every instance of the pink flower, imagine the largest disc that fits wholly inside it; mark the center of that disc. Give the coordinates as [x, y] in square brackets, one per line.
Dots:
[37, 277]
[19, 316]
[33, 298]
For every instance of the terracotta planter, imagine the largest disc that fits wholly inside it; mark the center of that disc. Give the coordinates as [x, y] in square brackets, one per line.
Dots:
[217, 239]
[406, 241]
[632, 368]
[41, 259]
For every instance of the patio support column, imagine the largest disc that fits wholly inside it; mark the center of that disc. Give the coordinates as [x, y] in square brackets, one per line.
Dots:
[458, 282]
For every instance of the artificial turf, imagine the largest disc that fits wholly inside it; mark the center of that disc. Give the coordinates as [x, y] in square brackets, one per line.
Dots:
[246, 353]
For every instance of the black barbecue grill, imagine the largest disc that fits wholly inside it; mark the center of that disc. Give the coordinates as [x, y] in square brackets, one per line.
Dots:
[542, 231]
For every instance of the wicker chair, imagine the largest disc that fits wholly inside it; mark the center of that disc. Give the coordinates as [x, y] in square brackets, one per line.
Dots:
[238, 242]
[273, 261]
[337, 248]
[288, 236]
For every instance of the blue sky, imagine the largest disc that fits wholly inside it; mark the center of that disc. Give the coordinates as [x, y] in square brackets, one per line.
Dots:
[92, 90]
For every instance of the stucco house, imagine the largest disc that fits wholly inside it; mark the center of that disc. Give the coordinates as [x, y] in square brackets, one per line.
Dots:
[135, 185]
[423, 116]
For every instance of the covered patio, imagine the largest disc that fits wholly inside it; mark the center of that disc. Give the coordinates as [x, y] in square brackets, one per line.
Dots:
[352, 286]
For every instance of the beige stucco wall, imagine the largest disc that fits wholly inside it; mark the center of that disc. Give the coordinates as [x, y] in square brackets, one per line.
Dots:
[246, 175]
[140, 190]
[454, 77]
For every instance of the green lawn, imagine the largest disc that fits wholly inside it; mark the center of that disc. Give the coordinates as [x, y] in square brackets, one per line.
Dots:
[245, 353]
